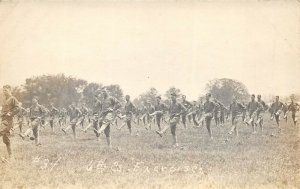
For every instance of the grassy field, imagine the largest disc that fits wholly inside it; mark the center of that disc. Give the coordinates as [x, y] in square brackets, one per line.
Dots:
[263, 160]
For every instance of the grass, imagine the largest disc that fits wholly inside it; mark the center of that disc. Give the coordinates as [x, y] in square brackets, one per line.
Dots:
[259, 160]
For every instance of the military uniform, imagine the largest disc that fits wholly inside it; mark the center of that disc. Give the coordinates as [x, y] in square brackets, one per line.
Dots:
[9, 109]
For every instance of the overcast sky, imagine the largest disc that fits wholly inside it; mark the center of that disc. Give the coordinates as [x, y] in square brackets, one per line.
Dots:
[143, 45]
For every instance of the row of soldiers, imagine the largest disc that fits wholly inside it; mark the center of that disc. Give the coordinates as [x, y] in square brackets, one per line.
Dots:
[107, 110]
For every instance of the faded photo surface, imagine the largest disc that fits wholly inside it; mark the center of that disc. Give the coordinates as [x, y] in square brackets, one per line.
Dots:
[149, 94]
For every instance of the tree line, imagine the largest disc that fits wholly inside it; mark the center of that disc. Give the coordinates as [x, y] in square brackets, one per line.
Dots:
[62, 90]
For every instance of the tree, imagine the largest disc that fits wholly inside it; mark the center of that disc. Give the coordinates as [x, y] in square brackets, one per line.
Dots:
[89, 93]
[168, 93]
[225, 89]
[115, 91]
[172, 90]
[58, 89]
[150, 95]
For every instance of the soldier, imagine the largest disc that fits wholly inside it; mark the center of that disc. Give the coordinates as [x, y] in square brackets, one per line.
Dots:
[208, 109]
[276, 109]
[22, 117]
[10, 108]
[149, 111]
[52, 113]
[244, 112]
[194, 112]
[175, 110]
[96, 122]
[285, 110]
[62, 117]
[129, 111]
[235, 109]
[260, 110]
[36, 113]
[293, 107]
[252, 108]
[43, 118]
[143, 112]
[200, 113]
[187, 106]
[160, 108]
[109, 106]
[75, 115]
[84, 110]
[217, 112]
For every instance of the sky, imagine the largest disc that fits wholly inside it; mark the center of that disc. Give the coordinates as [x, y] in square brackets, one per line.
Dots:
[140, 45]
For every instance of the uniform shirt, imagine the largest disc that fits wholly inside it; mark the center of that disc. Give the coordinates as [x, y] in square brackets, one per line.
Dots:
[129, 108]
[222, 109]
[236, 108]
[285, 108]
[143, 110]
[276, 106]
[217, 107]
[10, 105]
[22, 112]
[84, 111]
[175, 109]
[195, 108]
[293, 107]
[208, 107]
[37, 111]
[150, 109]
[252, 106]
[109, 104]
[74, 113]
[53, 111]
[97, 107]
[187, 104]
[63, 113]
[160, 107]
[261, 105]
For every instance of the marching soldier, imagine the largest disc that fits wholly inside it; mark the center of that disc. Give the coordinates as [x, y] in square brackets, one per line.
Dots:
[252, 108]
[217, 112]
[293, 107]
[129, 111]
[276, 109]
[22, 117]
[208, 109]
[285, 110]
[84, 110]
[194, 112]
[109, 106]
[10, 108]
[52, 113]
[187, 106]
[62, 117]
[260, 110]
[160, 108]
[37, 112]
[96, 122]
[236, 110]
[175, 110]
[75, 115]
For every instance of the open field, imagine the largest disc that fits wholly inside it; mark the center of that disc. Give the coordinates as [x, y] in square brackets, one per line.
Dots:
[263, 160]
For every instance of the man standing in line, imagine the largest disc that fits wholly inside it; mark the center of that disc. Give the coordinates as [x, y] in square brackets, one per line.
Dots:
[276, 109]
[208, 109]
[37, 112]
[293, 107]
[175, 110]
[109, 106]
[75, 115]
[187, 106]
[10, 108]
[235, 110]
